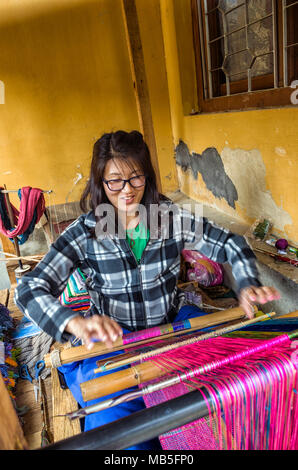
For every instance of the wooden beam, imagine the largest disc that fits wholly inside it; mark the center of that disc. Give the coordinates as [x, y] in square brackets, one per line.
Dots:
[137, 64]
[79, 353]
[10, 215]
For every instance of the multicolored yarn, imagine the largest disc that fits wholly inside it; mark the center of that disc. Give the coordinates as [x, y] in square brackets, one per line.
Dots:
[8, 368]
[75, 295]
[156, 331]
[255, 400]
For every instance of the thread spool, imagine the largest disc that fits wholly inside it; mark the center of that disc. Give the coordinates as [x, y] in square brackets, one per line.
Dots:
[20, 271]
[281, 246]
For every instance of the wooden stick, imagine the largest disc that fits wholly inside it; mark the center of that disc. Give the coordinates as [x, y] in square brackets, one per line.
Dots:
[183, 342]
[10, 254]
[7, 191]
[102, 364]
[137, 374]
[166, 381]
[11, 219]
[81, 352]
[276, 256]
[16, 258]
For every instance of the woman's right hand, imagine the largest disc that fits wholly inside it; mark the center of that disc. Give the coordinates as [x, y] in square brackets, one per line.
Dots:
[97, 327]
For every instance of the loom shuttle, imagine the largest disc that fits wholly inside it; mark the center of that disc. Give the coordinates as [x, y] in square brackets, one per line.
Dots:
[82, 412]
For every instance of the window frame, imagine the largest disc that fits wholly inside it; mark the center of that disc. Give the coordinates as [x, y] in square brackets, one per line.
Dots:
[264, 98]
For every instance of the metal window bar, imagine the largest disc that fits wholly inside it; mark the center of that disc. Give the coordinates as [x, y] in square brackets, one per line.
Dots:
[208, 51]
[226, 35]
[234, 53]
[230, 10]
[292, 4]
[286, 46]
[285, 52]
[246, 44]
[201, 34]
[226, 50]
[275, 45]
[240, 28]
[291, 45]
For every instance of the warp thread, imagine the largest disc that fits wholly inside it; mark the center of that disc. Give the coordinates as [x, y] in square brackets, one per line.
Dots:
[256, 406]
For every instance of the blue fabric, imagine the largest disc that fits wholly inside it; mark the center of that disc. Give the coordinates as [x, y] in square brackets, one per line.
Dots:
[78, 372]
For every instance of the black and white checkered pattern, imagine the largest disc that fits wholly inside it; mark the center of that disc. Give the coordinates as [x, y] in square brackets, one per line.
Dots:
[135, 295]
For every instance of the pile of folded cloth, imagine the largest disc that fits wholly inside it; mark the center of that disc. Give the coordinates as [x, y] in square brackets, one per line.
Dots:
[75, 294]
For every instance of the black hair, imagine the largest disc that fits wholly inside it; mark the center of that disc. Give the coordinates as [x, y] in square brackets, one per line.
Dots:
[119, 145]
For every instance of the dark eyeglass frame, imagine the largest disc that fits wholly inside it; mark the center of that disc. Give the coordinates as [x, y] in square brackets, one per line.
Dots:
[124, 182]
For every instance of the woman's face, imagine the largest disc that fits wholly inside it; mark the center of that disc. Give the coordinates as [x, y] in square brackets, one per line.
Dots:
[127, 199]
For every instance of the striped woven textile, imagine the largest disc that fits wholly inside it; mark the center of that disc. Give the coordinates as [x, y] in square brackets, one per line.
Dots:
[75, 294]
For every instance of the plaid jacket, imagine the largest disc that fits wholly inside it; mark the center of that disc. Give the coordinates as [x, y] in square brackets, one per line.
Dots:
[135, 295]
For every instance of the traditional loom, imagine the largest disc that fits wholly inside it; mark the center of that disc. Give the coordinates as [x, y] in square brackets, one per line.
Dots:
[229, 387]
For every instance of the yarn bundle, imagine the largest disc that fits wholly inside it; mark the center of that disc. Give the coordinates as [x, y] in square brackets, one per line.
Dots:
[202, 269]
[32, 207]
[8, 353]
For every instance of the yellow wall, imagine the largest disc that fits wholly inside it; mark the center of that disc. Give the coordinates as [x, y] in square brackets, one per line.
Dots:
[258, 149]
[67, 80]
[259, 152]
[67, 77]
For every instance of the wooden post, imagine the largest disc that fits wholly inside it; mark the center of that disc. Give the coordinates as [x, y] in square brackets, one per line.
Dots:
[137, 64]
[10, 215]
[11, 433]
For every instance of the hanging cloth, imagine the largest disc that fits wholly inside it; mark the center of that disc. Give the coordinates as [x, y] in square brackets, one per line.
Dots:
[32, 207]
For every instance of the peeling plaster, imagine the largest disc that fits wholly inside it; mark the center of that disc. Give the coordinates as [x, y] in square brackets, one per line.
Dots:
[236, 175]
[247, 170]
[211, 167]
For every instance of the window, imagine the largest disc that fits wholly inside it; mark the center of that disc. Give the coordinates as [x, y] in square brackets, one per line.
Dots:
[246, 52]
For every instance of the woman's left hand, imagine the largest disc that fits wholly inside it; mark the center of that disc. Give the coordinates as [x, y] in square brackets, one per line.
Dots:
[250, 296]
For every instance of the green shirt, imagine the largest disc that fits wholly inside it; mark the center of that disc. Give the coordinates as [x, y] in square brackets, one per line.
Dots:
[137, 240]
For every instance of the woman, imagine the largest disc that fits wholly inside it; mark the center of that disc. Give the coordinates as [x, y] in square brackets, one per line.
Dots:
[132, 260]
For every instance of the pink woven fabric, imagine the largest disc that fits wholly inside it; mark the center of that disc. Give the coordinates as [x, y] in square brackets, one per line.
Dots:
[255, 398]
[196, 435]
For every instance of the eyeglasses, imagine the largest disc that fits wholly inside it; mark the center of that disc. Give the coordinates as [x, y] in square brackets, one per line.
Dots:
[118, 185]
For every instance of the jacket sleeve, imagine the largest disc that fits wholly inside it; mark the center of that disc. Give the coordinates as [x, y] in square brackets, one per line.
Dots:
[37, 293]
[222, 246]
